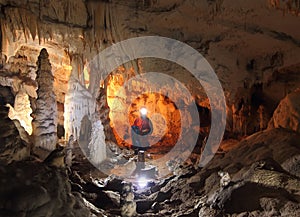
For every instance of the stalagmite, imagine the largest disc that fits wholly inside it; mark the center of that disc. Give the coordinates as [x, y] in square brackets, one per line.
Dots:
[97, 146]
[45, 121]
[69, 151]
[262, 116]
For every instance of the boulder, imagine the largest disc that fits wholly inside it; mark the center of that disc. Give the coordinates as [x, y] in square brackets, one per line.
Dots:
[287, 114]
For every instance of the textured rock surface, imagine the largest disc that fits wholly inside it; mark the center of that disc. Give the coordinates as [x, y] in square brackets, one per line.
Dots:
[287, 114]
[261, 167]
[33, 189]
[125, 103]
[97, 145]
[22, 111]
[12, 148]
[254, 50]
[244, 42]
[24, 89]
[45, 109]
[103, 110]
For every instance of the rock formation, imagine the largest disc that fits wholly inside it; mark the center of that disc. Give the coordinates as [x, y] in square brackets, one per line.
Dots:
[78, 104]
[97, 145]
[22, 111]
[253, 47]
[128, 205]
[37, 190]
[287, 114]
[44, 122]
[253, 183]
[12, 148]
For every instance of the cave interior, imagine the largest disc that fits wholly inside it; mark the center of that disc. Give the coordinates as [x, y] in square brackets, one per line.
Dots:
[219, 80]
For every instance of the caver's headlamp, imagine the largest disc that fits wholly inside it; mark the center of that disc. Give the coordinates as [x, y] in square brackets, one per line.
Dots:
[143, 111]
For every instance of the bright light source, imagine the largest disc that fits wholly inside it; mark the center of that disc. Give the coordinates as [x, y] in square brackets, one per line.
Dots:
[143, 111]
[142, 182]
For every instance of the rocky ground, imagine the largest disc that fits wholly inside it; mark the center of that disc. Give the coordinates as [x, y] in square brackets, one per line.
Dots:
[259, 177]
[34, 189]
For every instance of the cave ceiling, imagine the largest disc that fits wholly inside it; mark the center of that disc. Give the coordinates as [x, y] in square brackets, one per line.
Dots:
[243, 41]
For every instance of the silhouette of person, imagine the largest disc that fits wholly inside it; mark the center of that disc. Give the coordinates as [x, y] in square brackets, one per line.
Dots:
[141, 128]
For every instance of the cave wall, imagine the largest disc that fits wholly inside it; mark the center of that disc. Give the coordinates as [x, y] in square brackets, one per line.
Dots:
[12, 147]
[125, 97]
[239, 49]
[22, 111]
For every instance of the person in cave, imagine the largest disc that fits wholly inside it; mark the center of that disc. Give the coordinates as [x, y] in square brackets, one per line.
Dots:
[140, 130]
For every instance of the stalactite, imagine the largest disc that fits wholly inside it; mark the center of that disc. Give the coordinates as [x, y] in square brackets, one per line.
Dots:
[77, 64]
[45, 116]
[23, 24]
[32, 26]
[39, 32]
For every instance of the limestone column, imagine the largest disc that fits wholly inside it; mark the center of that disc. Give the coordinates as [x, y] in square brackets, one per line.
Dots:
[44, 124]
